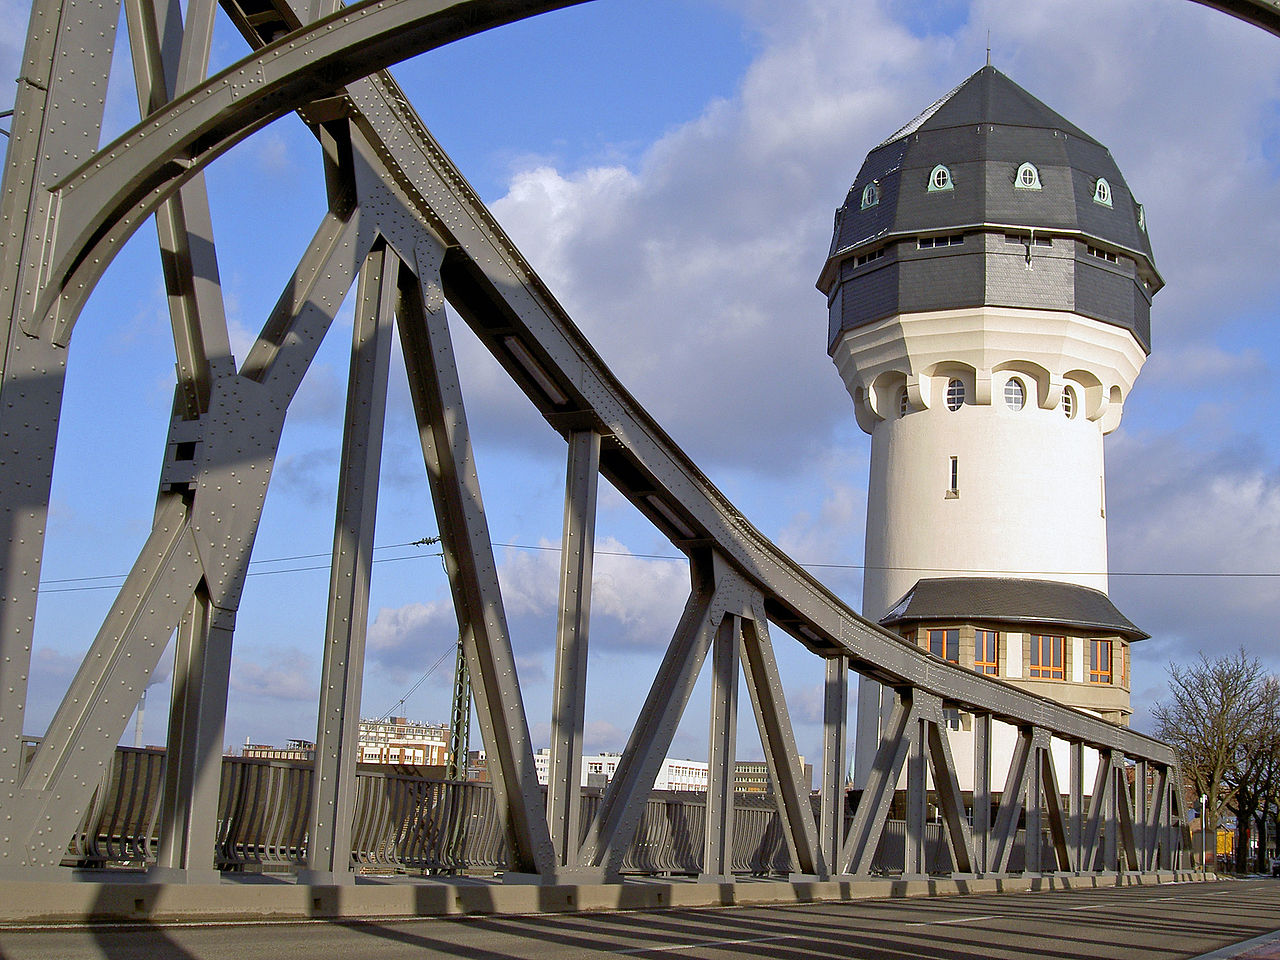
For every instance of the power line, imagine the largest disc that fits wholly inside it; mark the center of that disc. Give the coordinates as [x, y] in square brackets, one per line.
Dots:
[118, 579]
[419, 682]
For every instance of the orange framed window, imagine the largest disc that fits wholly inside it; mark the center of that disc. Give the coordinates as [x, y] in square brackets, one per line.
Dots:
[1046, 657]
[1099, 661]
[945, 644]
[986, 652]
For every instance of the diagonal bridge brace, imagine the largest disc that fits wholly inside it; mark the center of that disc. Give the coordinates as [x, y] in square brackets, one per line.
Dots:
[203, 541]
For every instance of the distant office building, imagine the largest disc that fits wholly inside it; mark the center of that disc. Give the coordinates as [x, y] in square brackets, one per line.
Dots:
[598, 770]
[749, 776]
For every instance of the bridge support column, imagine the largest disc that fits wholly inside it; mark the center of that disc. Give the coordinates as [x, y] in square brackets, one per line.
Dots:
[1075, 786]
[334, 785]
[1033, 847]
[914, 859]
[568, 710]
[193, 768]
[982, 792]
[717, 861]
[835, 760]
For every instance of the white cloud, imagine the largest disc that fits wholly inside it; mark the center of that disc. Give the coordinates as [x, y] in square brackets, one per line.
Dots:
[286, 675]
[635, 601]
[1203, 365]
[1203, 505]
[413, 636]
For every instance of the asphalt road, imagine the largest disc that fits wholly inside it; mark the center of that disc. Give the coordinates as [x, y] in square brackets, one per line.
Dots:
[1174, 921]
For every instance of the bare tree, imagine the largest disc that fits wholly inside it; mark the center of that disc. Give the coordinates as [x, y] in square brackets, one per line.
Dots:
[1214, 708]
[1263, 759]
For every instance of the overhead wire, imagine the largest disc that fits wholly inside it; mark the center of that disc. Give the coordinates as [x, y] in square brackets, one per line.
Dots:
[48, 585]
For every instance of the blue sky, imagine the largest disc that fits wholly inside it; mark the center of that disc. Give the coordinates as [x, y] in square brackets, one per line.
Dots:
[671, 167]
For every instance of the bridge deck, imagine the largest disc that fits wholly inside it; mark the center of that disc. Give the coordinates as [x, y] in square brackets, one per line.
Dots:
[116, 896]
[1167, 921]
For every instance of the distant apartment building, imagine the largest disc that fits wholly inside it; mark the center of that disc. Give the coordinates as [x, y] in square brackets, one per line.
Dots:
[402, 741]
[292, 750]
[391, 740]
[752, 776]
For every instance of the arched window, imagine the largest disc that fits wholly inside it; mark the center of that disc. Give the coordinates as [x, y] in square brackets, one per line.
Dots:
[1015, 394]
[1102, 192]
[1028, 177]
[1069, 403]
[871, 194]
[955, 395]
[939, 179]
[904, 402]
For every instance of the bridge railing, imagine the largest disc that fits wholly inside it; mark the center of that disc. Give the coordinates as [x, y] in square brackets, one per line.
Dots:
[402, 822]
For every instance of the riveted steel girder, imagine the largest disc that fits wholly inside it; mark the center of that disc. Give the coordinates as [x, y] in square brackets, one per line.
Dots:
[542, 347]
[70, 207]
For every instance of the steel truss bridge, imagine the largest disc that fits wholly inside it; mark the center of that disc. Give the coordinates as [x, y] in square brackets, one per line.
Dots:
[405, 229]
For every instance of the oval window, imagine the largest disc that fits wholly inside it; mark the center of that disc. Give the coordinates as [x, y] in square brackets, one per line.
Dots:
[870, 194]
[955, 395]
[1069, 403]
[1015, 394]
[1028, 177]
[939, 179]
[1102, 192]
[904, 402]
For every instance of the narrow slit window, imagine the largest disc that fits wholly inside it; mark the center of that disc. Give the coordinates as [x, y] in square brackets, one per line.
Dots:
[955, 474]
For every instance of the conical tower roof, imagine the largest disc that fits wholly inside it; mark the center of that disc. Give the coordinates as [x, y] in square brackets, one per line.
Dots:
[982, 133]
[988, 97]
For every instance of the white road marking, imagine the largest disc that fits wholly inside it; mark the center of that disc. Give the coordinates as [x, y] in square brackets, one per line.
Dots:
[709, 943]
[930, 923]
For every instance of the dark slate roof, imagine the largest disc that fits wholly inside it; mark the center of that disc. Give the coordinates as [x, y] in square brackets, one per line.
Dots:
[1012, 600]
[982, 131]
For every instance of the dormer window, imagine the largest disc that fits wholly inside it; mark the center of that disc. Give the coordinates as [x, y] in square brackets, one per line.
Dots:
[939, 179]
[1102, 192]
[1142, 218]
[871, 194]
[1027, 177]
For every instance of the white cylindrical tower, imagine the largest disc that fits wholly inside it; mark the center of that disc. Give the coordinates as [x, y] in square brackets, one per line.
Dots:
[986, 431]
[989, 284]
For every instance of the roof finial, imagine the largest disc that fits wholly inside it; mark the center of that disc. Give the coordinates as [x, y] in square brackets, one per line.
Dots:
[988, 47]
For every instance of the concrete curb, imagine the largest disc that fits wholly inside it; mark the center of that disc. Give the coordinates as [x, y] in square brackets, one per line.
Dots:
[78, 902]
